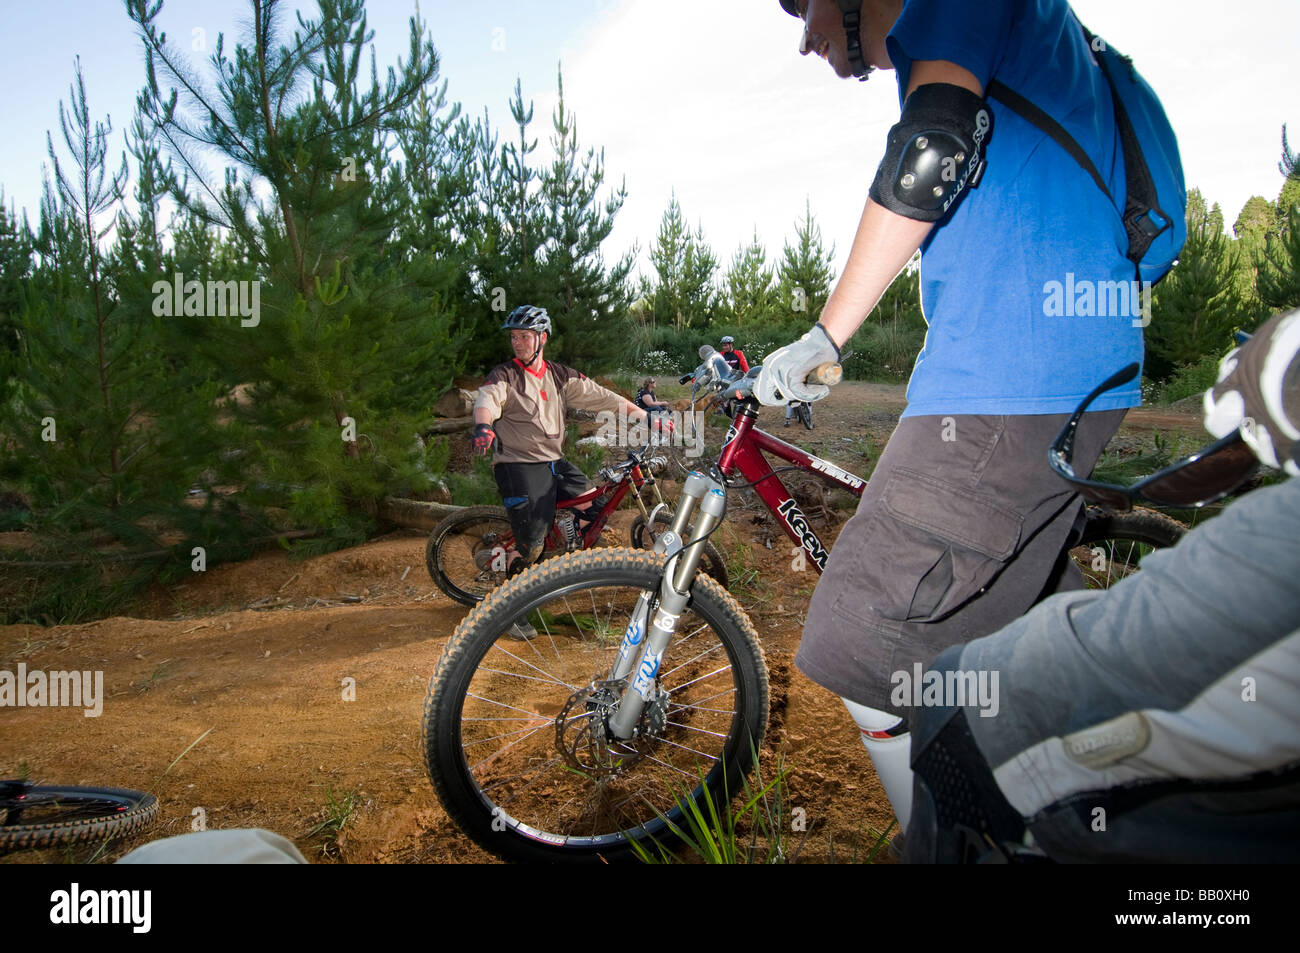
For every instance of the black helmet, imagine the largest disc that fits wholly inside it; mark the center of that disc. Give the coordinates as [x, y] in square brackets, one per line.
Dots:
[528, 318]
[852, 12]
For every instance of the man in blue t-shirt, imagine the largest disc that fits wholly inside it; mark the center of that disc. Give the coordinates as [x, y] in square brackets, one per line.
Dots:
[1025, 289]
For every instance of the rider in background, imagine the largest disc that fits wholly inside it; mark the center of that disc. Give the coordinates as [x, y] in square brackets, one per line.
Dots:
[963, 526]
[727, 348]
[1156, 721]
[736, 360]
[520, 411]
[646, 399]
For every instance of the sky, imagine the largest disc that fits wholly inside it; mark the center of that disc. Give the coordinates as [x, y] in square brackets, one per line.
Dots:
[705, 98]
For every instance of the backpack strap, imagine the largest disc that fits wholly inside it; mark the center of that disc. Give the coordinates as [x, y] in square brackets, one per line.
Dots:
[1140, 199]
[996, 89]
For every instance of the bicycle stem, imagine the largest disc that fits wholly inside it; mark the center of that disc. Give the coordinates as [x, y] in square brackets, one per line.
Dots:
[674, 594]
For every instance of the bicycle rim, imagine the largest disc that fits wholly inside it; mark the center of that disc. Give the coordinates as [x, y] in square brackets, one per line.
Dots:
[514, 729]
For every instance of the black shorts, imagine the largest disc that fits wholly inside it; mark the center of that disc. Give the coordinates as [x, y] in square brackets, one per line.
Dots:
[530, 491]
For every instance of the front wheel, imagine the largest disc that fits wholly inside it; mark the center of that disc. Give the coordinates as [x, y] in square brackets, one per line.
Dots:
[643, 537]
[37, 816]
[469, 552]
[1114, 544]
[515, 731]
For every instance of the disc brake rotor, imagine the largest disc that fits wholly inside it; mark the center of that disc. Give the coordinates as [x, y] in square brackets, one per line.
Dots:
[582, 729]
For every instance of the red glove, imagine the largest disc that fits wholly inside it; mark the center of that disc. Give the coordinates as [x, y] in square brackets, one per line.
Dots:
[482, 437]
[663, 423]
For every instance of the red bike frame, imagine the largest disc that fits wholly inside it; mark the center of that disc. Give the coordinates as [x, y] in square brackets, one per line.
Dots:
[596, 527]
[742, 453]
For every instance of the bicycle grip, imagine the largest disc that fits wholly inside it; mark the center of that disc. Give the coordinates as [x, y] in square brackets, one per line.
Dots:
[829, 373]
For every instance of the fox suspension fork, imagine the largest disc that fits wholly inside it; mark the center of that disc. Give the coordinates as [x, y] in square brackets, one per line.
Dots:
[642, 666]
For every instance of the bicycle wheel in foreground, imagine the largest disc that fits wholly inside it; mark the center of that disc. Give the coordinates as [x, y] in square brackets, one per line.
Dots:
[40, 816]
[514, 732]
[1114, 544]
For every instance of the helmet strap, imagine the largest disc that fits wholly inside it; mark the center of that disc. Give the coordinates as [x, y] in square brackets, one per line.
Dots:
[853, 32]
[537, 351]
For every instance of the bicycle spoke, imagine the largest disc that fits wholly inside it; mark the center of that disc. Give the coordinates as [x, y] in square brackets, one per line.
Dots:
[709, 698]
[501, 751]
[703, 731]
[706, 652]
[678, 688]
[555, 679]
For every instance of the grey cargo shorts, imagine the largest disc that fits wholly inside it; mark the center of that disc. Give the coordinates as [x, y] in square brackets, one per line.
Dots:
[961, 528]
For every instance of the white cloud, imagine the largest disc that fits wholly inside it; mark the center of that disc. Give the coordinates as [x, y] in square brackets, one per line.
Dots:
[712, 99]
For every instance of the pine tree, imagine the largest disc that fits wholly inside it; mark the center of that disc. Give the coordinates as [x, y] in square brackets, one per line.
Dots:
[16, 250]
[1199, 211]
[1197, 305]
[354, 337]
[589, 301]
[751, 293]
[1278, 278]
[112, 436]
[1255, 221]
[682, 294]
[1251, 230]
[806, 269]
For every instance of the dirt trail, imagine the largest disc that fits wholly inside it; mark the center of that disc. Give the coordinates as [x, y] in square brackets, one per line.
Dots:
[305, 681]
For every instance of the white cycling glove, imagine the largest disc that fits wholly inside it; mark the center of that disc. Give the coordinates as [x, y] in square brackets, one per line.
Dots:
[784, 370]
[1259, 391]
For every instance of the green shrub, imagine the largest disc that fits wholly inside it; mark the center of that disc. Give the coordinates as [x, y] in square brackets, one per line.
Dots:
[1190, 380]
[476, 488]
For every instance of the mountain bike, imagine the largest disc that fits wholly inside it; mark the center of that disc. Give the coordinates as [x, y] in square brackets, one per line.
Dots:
[802, 413]
[645, 691]
[35, 816]
[469, 553]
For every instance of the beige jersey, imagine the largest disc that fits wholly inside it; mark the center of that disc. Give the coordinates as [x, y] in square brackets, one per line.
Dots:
[528, 409]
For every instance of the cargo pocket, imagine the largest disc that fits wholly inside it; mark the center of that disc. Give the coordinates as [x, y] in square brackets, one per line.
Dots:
[929, 547]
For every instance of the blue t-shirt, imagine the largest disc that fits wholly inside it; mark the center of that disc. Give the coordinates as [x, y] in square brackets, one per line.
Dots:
[1025, 287]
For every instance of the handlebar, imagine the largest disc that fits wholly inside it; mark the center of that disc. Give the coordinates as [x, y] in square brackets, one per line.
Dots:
[829, 374]
[716, 373]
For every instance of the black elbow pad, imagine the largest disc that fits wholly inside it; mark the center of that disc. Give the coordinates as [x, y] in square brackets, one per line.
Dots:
[935, 151]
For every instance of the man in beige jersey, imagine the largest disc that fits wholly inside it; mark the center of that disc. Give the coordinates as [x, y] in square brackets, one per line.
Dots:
[520, 411]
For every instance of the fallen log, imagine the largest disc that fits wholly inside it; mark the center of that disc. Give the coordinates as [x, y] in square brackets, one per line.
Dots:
[414, 514]
[447, 425]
